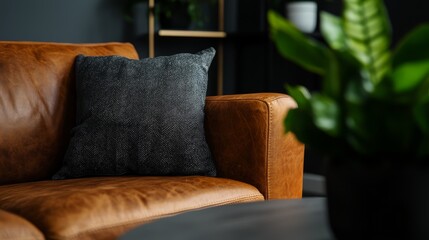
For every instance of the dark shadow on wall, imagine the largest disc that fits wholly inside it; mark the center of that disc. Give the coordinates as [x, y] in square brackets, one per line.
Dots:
[76, 21]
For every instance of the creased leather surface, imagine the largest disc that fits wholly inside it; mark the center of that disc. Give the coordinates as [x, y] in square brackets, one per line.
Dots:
[103, 208]
[13, 227]
[37, 104]
[248, 142]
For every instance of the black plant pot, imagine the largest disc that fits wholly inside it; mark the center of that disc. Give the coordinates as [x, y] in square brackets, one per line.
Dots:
[378, 201]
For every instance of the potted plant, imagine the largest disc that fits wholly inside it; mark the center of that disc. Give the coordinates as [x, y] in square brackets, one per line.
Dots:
[370, 119]
[175, 14]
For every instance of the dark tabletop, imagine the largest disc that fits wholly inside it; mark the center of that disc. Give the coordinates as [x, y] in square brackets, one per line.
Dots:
[277, 219]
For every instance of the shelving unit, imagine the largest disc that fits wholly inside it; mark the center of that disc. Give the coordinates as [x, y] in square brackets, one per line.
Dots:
[188, 33]
[220, 34]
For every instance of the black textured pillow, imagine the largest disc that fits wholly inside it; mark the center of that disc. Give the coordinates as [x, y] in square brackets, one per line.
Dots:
[140, 116]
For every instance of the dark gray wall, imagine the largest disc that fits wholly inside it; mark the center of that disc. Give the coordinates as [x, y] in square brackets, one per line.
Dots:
[61, 20]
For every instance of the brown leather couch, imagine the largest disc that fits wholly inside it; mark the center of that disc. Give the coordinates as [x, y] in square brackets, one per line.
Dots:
[254, 158]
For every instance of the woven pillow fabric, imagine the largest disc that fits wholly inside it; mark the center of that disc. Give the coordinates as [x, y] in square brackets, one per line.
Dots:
[141, 117]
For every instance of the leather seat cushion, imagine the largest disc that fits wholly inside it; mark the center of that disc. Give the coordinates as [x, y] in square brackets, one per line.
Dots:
[14, 227]
[107, 206]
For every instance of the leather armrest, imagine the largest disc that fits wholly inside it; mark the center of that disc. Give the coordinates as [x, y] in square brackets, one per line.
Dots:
[248, 142]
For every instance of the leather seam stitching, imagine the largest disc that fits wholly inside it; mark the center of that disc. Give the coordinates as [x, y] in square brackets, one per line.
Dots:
[263, 100]
[269, 142]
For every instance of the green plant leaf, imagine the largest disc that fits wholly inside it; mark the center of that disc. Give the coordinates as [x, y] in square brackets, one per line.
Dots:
[410, 75]
[295, 46]
[337, 72]
[325, 114]
[338, 69]
[358, 89]
[332, 30]
[357, 132]
[300, 123]
[413, 47]
[301, 95]
[367, 35]
[297, 121]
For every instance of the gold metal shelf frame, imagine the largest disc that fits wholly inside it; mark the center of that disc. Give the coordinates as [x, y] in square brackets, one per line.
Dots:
[191, 33]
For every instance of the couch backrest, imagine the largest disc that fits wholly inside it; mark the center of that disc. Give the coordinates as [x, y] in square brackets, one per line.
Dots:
[37, 104]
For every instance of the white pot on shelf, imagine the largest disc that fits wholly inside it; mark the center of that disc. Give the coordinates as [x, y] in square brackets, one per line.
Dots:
[303, 15]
